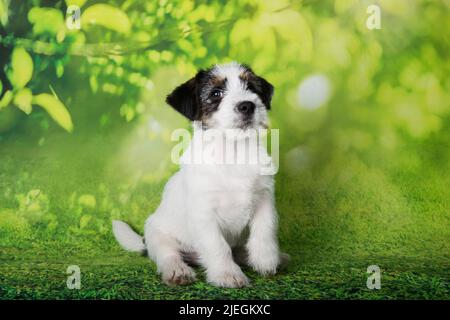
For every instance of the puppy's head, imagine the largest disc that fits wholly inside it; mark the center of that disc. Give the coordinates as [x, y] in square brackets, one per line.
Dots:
[229, 96]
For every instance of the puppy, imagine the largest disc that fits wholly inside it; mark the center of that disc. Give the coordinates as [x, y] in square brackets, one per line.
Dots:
[214, 215]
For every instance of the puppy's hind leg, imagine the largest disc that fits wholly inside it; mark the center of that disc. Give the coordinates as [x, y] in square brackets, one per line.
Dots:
[165, 252]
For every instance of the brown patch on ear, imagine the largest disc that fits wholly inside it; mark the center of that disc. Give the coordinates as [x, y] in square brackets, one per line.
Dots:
[245, 75]
[258, 85]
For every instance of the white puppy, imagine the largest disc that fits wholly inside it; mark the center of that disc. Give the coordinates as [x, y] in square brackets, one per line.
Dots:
[214, 214]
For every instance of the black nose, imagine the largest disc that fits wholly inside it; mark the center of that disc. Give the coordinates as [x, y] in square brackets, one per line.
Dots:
[246, 107]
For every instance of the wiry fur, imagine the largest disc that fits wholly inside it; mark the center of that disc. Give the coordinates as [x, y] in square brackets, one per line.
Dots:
[213, 214]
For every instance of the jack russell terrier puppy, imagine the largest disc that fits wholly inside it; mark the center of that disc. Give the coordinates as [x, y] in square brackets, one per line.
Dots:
[215, 215]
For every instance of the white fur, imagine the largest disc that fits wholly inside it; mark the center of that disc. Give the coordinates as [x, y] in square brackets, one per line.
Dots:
[211, 209]
[127, 238]
[226, 117]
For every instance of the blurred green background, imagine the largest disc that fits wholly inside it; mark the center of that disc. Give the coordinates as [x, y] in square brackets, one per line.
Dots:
[364, 119]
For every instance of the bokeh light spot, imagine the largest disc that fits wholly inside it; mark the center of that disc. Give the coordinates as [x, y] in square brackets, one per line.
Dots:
[314, 91]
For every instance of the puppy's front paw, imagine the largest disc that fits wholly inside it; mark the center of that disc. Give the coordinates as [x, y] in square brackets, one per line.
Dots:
[178, 274]
[233, 278]
[265, 264]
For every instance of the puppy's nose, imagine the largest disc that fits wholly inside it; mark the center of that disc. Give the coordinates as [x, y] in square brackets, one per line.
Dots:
[246, 107]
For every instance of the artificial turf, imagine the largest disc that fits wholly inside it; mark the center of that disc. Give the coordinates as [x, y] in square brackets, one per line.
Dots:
[58, 197]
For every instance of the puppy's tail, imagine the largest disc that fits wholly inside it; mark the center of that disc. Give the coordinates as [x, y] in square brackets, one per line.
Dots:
[127, 238]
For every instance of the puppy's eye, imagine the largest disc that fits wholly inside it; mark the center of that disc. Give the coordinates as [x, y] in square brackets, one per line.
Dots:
[216, 93]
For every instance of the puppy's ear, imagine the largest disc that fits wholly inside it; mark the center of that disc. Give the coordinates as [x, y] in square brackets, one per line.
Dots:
[258, 85]
[185, 98]
[265, 90]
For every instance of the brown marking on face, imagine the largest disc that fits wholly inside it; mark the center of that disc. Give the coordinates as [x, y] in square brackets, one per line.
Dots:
[217, 81]
[246, 75]
[208, 102]
[257, 85]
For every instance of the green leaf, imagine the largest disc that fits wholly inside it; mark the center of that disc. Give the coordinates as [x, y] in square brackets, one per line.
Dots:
[21, 68]
[55, 109]
[84, 220]
[4, 7]
[106, 16]
[22, 100]
[75, 2]
[93, 83]
[59, 68]
[87, 200]
[46, 20]
[7, 97]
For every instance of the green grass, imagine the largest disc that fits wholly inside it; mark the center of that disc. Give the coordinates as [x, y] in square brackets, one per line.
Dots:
[117, 275]
[337, 217]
